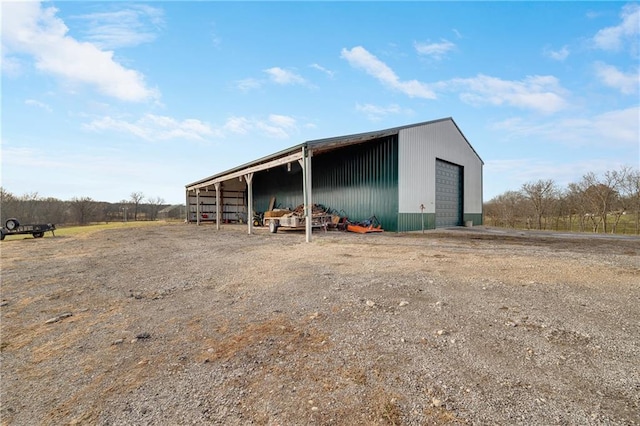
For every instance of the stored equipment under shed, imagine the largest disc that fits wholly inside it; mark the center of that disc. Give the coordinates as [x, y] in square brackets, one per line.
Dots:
[420, 176]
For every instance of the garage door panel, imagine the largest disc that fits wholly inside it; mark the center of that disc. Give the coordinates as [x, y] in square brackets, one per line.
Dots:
[448, 194]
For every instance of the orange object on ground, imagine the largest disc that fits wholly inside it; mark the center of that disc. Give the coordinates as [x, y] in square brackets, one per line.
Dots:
[364, 229]
[370, 225]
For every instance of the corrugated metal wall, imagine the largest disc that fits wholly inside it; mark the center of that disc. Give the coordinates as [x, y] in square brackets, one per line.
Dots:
[278, 182]
[418, 149]
[359, 180]
[415, 221]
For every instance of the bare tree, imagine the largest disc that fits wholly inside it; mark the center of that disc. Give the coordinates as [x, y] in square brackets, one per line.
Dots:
[506, 209]
[155, 204]
[577, 205]
[55, 210]
[124, 210]
[599, 195]
[25, 207]
[562, 211]
[32, 211]
[595, 202]
[630, 189]
[8, 204]
[83, 209]
[31, 208]
[542, 194]
[136, 198]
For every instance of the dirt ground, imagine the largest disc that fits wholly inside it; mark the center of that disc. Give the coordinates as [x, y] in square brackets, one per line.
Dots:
[179, 324]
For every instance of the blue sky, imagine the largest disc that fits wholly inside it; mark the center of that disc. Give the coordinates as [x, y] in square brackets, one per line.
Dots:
[101, 99]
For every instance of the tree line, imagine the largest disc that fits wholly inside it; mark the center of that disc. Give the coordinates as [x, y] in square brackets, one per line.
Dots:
[597, 203]
[607, 203]
[33, 208]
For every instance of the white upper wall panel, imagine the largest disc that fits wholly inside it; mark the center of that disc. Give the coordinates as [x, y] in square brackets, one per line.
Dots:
[418, 149]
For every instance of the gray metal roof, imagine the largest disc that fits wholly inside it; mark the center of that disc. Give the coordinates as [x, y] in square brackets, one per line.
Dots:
[327, 144]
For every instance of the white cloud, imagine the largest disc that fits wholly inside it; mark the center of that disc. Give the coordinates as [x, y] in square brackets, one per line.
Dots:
[618, 128]
[359, 57]
[557, 55]
[283, 121]
[215, 40]
[614, 38]
[284, 77]
[71, 162]
[274, 126]
[524, 170]
[248, 84]
[626, 83]
[154, 127]
[592, 14]
[27, 28]
[10, 66]
[540, 93]
[28, 157]
[329, 73]
[434, 50]
[278, 126]
[33, 102]
[238, 125]
[89, 171]
[375, 112]
[129, 26]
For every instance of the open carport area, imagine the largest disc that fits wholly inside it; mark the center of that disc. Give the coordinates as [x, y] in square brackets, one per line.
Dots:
[179, 324]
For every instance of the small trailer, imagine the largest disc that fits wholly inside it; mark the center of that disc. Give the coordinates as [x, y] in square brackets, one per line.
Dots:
[13, 227]
[292, 221]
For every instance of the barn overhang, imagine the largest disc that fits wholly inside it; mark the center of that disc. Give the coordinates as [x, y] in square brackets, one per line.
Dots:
[301, 154]
[256, 166]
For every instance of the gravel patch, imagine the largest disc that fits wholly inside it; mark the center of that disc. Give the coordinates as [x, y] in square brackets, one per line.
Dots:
[179, 324]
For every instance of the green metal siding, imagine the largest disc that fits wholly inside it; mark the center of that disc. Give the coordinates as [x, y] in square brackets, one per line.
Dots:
[361, 180]
[278, 182]
[476, 218]
[358, 180]
[413, 221]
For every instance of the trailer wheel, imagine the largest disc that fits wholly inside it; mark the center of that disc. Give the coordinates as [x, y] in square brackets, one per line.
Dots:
[38, 234]
[11, 224]
[256, 222]
[273, 226]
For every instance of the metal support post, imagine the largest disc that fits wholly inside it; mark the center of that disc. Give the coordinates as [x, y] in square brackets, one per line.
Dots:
[217, 185]
[309, 200]
[198, 206]
[249, 179]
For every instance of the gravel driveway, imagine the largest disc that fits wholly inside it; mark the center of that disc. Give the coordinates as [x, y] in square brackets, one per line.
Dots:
[179, 324]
